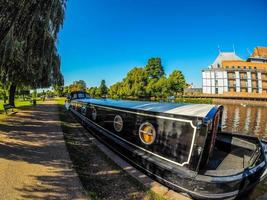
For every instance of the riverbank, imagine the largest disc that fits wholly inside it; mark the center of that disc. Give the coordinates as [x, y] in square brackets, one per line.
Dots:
[239, 102]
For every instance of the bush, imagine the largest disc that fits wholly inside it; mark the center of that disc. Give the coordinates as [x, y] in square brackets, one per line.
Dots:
[194, 100]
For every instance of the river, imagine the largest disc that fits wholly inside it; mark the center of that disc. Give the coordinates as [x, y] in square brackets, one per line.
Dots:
[245, 119]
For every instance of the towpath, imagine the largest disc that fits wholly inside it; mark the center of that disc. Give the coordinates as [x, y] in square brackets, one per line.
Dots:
[34, 161]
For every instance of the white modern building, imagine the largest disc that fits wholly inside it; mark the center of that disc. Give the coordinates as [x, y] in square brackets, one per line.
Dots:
[230, 74]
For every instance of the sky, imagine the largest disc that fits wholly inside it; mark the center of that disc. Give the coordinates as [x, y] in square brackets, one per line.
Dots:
[104, 39]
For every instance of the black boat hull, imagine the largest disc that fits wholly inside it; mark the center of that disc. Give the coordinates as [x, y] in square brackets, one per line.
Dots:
[174, 176]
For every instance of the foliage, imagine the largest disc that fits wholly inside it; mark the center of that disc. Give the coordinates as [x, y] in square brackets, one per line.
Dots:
[154, 68]
[134, 83]
[176, 82]
[103, 89]
[28, 37]
[115, 90]
[77, 86]
[92, 91]
[149, 82]
[194, 100]
[58, 90]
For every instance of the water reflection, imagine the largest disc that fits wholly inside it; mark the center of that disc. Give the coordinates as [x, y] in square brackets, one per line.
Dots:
[245, 119]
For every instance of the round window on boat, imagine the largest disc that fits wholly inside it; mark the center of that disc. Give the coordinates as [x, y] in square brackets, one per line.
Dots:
[118, 123]
[147, 133]
[94, 113]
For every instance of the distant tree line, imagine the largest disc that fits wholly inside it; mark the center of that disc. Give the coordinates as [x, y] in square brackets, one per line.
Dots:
[149, 82]
[145, 82]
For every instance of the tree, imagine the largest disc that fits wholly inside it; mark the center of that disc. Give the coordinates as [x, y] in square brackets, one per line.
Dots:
[134, 83]
[151, 88]
[28, 39]
[162, 88]
[66, 90]
[92, 91]
[103, 89]
[154, 68]
[58, 90]
[176, 82]
[3, 92]
[77, 86]
[148, 82]
[114, 90]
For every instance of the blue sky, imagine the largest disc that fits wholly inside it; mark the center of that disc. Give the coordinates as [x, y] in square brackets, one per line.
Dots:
[104, 39]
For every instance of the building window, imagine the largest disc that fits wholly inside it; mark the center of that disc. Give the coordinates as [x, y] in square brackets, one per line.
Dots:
[250, 67]
[233, 67]
[218, 65]
[255, 67]
[245, 67]
[227, 67]
[238, 67]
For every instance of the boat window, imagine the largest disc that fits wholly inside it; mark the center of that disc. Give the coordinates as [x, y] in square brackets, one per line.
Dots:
[83, 110]
[147, 133]
[94, 113]
[118, 123]
[80, 95]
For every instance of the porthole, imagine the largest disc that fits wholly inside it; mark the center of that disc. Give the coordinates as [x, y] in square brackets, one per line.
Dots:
[118, 123]
[94, 113]
[147, 133]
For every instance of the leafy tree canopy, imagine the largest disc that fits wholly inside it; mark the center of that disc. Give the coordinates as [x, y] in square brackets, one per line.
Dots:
[28, 53]
[77, 86]
[154, 68]
[147, 82]
[103, 89]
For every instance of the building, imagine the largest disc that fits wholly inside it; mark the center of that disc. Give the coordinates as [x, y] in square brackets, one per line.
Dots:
[230, 75]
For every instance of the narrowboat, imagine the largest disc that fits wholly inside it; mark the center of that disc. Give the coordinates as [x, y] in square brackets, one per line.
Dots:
[180, 145]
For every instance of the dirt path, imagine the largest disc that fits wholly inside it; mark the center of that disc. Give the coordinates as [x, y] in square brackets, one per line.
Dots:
[34, 162]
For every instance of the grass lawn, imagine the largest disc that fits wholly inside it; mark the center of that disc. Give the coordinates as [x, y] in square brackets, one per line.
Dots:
[18, 103]
[60, 100]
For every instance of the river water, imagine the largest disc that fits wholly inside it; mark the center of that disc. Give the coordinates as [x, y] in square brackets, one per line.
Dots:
[249, 120]
[245, 119]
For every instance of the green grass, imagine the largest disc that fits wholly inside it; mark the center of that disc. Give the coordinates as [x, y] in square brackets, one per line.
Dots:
[18, 103]
[60, 100]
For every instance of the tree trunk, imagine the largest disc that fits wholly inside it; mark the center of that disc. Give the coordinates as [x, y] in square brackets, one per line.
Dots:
[12, 91]
[5, 98]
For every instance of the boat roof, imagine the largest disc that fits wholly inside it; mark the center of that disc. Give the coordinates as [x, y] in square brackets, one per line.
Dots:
[192, 110]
